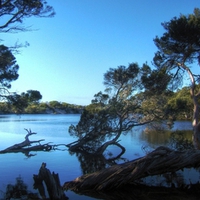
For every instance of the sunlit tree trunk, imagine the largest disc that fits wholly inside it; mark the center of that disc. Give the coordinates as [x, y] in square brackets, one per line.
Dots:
[195, 122]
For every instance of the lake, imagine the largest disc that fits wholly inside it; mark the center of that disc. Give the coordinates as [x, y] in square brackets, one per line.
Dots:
[54, 128]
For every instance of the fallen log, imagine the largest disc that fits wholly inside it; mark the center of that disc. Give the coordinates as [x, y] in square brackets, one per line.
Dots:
[159, 161]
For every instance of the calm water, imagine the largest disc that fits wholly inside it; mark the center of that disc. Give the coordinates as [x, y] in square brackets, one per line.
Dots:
[54, 128]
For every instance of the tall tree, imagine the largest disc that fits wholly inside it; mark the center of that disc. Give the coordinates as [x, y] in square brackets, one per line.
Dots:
[13, 13]
[178, 51]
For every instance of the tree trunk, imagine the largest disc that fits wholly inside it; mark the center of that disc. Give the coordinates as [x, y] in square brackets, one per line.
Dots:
[160, 161]
[52, 183]
[195, 97]
[101, 149]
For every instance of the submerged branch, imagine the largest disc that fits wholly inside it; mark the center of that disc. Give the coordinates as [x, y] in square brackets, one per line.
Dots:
[26, 146]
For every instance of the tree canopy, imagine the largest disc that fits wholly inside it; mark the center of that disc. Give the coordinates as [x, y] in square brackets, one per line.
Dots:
[112, 113]
[178, 51]
[8, 69]
[180, 43]
[135, 95]
[20, 102]
[32, 96]
[13, 13]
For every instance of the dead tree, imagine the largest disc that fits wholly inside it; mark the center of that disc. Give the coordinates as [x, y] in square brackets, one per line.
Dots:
[23, 144]
[52, 182]
[26, 146]
[161, 160]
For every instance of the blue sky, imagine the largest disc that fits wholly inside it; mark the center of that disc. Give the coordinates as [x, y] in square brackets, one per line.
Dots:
[69, 54]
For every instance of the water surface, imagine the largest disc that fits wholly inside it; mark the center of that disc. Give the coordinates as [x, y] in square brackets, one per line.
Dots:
[54, 128]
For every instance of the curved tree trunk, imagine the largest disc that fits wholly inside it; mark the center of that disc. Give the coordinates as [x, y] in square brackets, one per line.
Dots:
[101, 149]
[160, 161]
[78, 145]
[195, 97]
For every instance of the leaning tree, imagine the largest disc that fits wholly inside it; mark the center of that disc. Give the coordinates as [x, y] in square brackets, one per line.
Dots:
[179, 52]
[110, 114]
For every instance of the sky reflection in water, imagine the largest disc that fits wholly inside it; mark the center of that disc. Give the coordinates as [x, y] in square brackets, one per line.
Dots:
[54, 128]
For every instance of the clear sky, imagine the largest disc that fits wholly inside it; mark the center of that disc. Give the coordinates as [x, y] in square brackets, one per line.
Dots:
[69, 53]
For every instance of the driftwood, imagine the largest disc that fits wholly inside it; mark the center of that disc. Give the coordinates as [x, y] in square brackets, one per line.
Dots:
[161, 160]
[52, 182]
[26, 146]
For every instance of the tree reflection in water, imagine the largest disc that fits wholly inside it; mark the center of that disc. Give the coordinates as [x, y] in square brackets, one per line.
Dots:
[19, 191]
[169, 185]
[181, 140]
[178, 184]
[91, 162]
[141, 192]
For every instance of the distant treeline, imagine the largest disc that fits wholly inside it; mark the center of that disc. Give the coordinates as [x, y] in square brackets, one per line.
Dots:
[52, 107]
[178, 103]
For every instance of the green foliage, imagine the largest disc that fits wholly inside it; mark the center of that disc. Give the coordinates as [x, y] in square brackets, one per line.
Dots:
[13, 13]
[133, 96]
[64, 107]
[17, 102]
[179, 44]
[180, 103]
[155, 81]
[36, 108]
[32, 96]
[110, 114]
[20, 102]
[100, 98]
[4, 108]
[154, 108]
[122, 81]
[55, 104]
[23, 104]
[178, 52]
